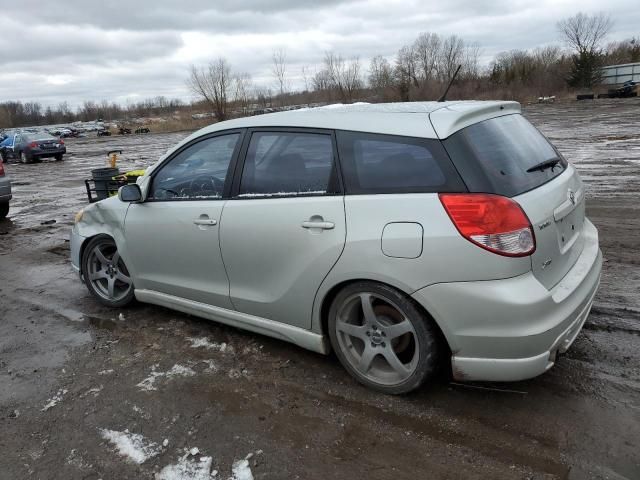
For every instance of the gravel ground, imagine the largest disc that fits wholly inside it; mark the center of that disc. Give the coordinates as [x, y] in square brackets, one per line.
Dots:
[89, 393]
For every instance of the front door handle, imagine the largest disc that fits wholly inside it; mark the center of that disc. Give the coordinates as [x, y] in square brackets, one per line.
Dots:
[320, 225]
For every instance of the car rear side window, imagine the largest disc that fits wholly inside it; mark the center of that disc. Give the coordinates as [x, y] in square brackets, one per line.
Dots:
[501, 156]
[373, 163]
[288, 163]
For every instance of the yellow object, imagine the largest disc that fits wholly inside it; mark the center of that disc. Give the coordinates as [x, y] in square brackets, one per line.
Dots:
[113, 159]
[78, 217]
[135, 173]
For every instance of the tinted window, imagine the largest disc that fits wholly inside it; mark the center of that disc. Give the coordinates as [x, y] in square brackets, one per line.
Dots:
[279, 163]
[374, 163]
[493, 156]
[33, 137]
[198, 172]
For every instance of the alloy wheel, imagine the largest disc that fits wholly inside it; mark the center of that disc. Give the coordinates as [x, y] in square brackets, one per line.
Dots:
[377, 338]
[107, 272]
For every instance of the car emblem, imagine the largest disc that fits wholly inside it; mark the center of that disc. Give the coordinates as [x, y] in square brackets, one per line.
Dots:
[546, 263]
[572, 197]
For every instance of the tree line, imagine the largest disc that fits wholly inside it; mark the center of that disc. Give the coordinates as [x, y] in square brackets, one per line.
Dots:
[18, 114]
[418, 71]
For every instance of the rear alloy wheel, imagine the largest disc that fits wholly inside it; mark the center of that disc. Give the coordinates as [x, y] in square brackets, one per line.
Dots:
[24, 158]
[4, 210]
[382, 338]
[105, 273]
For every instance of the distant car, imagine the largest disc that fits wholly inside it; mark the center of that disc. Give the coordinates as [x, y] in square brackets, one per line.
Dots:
[104, 133]
[399, 235]
[142, 130]
[124, 131]
[30, 147]
[5, 193]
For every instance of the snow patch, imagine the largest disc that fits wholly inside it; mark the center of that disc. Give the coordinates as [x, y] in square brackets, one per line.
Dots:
[188, 468]
[131, 445]
[203, 342]
[241, 470]
[106, 372]
[148, 384]
[53, 401]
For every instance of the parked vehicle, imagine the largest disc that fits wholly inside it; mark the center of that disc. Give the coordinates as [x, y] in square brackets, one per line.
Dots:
[399, 235]
[5, 193]
[142, 130]
[30, 147]
[124, 131]
[103, 132]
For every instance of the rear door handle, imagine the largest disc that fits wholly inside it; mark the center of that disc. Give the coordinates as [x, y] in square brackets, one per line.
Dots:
[203, 221]
[321, 225]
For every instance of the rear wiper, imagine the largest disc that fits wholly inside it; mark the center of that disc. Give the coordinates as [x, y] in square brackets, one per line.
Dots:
[544, 165]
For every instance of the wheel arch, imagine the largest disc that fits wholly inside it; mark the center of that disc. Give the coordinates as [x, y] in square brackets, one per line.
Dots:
[330, 294]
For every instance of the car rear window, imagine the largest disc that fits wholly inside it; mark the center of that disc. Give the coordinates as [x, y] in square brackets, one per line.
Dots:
[493, 156]
[373, 163]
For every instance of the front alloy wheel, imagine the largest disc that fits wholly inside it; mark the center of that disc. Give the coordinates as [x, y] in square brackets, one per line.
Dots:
[105, 273]
[382, 338]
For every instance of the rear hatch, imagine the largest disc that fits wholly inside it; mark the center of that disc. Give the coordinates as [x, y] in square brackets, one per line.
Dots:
[507, 156]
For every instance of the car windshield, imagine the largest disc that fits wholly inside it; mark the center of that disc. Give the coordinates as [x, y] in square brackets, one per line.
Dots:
[504, 155]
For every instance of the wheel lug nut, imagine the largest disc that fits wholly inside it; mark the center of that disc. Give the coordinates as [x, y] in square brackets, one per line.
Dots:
[384, 334]
[368, 334]
[383, 344]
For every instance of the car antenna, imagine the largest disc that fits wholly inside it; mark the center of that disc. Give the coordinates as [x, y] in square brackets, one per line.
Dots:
[444, 95]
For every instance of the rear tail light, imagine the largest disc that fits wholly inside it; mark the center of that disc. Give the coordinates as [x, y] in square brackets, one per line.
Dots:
[33, 145]
[61, 142]
[493, 222]
[1, 169]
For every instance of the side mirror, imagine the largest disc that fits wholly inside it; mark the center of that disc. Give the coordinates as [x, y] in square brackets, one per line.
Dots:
[130, 193]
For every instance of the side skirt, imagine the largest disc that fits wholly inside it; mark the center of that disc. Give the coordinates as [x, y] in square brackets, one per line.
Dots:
[299, 336]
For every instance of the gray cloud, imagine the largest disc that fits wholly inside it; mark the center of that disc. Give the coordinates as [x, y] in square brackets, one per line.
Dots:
[79, 50]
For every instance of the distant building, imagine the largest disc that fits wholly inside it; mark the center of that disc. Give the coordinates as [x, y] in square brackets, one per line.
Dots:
[618, 74]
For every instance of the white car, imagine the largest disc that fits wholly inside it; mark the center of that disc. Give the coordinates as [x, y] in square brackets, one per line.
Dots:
[402, 236]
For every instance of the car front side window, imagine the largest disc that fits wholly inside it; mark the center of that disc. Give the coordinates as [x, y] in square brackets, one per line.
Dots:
[197, 172]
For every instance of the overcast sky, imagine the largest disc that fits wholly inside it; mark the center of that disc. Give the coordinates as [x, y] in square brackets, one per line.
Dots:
[79, 50]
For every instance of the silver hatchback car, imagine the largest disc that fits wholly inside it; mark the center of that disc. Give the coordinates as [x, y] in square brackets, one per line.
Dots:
[401, 236]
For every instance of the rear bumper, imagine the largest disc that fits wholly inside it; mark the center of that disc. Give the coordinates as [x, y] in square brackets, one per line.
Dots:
[48, 152]
[513, 329]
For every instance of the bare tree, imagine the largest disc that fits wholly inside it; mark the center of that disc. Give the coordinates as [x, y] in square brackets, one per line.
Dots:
[212, 84]
[242, 89]
[321, 81]
[279, 68]
[426, 51]
[585, 33]
[344, 75]
[451, 55]
[380, 74]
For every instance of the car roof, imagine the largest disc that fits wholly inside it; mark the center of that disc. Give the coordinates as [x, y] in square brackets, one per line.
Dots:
[412, 119]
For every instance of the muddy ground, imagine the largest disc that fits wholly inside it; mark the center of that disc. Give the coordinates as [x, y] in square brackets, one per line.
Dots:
[75, 377]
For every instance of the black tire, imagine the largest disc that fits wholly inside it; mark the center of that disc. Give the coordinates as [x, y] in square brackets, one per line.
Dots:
[3, 157]
[24, 158]
[423, 339]
[4, 210]
[99, 290]
[59, 157]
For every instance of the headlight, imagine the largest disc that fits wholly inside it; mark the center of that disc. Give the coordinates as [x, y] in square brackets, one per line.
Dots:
[78, 217]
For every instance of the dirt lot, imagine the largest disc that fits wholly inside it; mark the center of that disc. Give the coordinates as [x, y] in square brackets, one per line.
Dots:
[77, 379]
